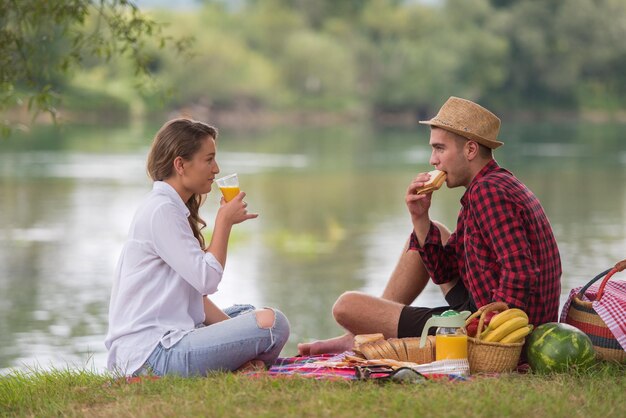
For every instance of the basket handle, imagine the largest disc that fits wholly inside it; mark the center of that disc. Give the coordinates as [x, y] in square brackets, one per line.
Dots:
[494, 306]
[620, 266]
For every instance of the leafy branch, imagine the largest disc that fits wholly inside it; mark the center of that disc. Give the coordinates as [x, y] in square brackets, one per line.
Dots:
[41, 42]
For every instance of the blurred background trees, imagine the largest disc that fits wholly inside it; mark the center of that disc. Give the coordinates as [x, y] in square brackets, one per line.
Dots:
[353, 57]
[44, 43]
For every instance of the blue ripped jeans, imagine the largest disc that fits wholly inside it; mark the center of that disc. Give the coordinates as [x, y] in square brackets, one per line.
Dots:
[224, 346]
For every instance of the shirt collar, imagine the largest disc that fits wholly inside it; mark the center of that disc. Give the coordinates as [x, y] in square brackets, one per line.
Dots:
[164, 188]
[492, 165]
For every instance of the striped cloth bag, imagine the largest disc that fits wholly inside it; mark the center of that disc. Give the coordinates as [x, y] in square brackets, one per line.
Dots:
[600, 312]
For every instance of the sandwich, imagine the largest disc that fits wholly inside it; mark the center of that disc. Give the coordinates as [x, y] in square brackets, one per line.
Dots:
[437, 178]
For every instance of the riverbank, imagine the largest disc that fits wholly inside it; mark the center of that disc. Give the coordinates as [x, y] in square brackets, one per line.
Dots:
[249, 117]
[596, 393]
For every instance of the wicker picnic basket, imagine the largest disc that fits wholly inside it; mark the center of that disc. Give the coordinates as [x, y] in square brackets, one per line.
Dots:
[582, 315]
[491, 357]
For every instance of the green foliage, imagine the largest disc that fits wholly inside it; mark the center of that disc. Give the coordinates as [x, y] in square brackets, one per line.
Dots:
[267, 25]
[315, 66]
[372, 55]
[409, 56]
[42, 41]
[226, 73]
[560, 45]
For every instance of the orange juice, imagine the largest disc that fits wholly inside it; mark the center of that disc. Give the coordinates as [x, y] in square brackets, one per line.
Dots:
[229, 192]
[450, 347]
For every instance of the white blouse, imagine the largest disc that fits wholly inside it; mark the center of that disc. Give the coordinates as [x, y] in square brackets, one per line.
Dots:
[160, 279]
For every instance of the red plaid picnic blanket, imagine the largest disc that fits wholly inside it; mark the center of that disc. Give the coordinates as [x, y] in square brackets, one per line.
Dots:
[311, 366]
[611, 307]
[321, 367]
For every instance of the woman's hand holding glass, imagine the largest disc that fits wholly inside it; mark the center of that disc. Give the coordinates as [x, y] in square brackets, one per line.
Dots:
[235, 211]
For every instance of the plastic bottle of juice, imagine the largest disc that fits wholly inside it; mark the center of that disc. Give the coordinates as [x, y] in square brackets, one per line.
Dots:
[451, 336]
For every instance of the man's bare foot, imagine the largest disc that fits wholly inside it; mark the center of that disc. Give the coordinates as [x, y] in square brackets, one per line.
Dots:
[331, 345]
[251, 366]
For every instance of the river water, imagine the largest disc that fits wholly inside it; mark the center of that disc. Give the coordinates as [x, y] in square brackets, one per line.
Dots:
[332, 219]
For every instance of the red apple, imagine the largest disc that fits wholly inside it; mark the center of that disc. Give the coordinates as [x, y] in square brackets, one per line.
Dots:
[472, 327]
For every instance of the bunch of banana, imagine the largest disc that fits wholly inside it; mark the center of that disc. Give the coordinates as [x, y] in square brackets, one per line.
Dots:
[509, 326]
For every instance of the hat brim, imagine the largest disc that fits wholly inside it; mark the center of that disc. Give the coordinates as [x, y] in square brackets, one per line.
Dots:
[489, 143]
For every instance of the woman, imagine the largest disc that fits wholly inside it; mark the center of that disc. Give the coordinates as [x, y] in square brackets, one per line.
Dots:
[160, 319]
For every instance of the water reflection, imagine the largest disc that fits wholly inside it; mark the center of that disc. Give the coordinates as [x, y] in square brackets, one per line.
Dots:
[332, 218]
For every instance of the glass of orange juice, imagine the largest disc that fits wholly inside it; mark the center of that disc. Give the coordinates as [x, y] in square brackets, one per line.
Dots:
[229, 185]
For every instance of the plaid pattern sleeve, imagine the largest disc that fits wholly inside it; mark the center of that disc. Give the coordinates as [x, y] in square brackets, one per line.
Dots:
[440, 260]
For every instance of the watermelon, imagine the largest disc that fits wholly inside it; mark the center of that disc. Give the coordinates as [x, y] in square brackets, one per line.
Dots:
[557, 348]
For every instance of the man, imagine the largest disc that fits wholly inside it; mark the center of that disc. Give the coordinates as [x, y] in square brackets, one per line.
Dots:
[502, 249]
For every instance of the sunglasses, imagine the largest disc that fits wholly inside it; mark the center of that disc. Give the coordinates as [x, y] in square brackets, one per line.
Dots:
[385, 373]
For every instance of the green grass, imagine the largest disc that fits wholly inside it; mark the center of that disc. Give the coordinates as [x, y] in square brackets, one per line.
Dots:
[595, 393]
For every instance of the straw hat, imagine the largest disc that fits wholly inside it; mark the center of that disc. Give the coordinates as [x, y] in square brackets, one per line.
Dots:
[469, 120]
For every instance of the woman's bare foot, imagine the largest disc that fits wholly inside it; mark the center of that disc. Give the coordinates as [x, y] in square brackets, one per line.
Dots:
[252, 366]
[331, 345]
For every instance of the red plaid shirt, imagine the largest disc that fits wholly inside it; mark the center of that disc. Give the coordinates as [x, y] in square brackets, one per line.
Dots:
[503, 248]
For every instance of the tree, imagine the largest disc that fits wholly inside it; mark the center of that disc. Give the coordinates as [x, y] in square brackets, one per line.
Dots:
[559, 48]
[42, 40]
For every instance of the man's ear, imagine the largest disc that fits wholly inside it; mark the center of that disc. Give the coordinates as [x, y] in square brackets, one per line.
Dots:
[178, 165]
[471, 150]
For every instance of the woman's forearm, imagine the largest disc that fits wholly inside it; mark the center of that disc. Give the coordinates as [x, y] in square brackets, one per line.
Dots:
[219, 240]
[212, 314]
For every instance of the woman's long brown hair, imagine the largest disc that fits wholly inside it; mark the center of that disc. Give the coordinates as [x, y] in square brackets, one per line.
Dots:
[180, 138]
